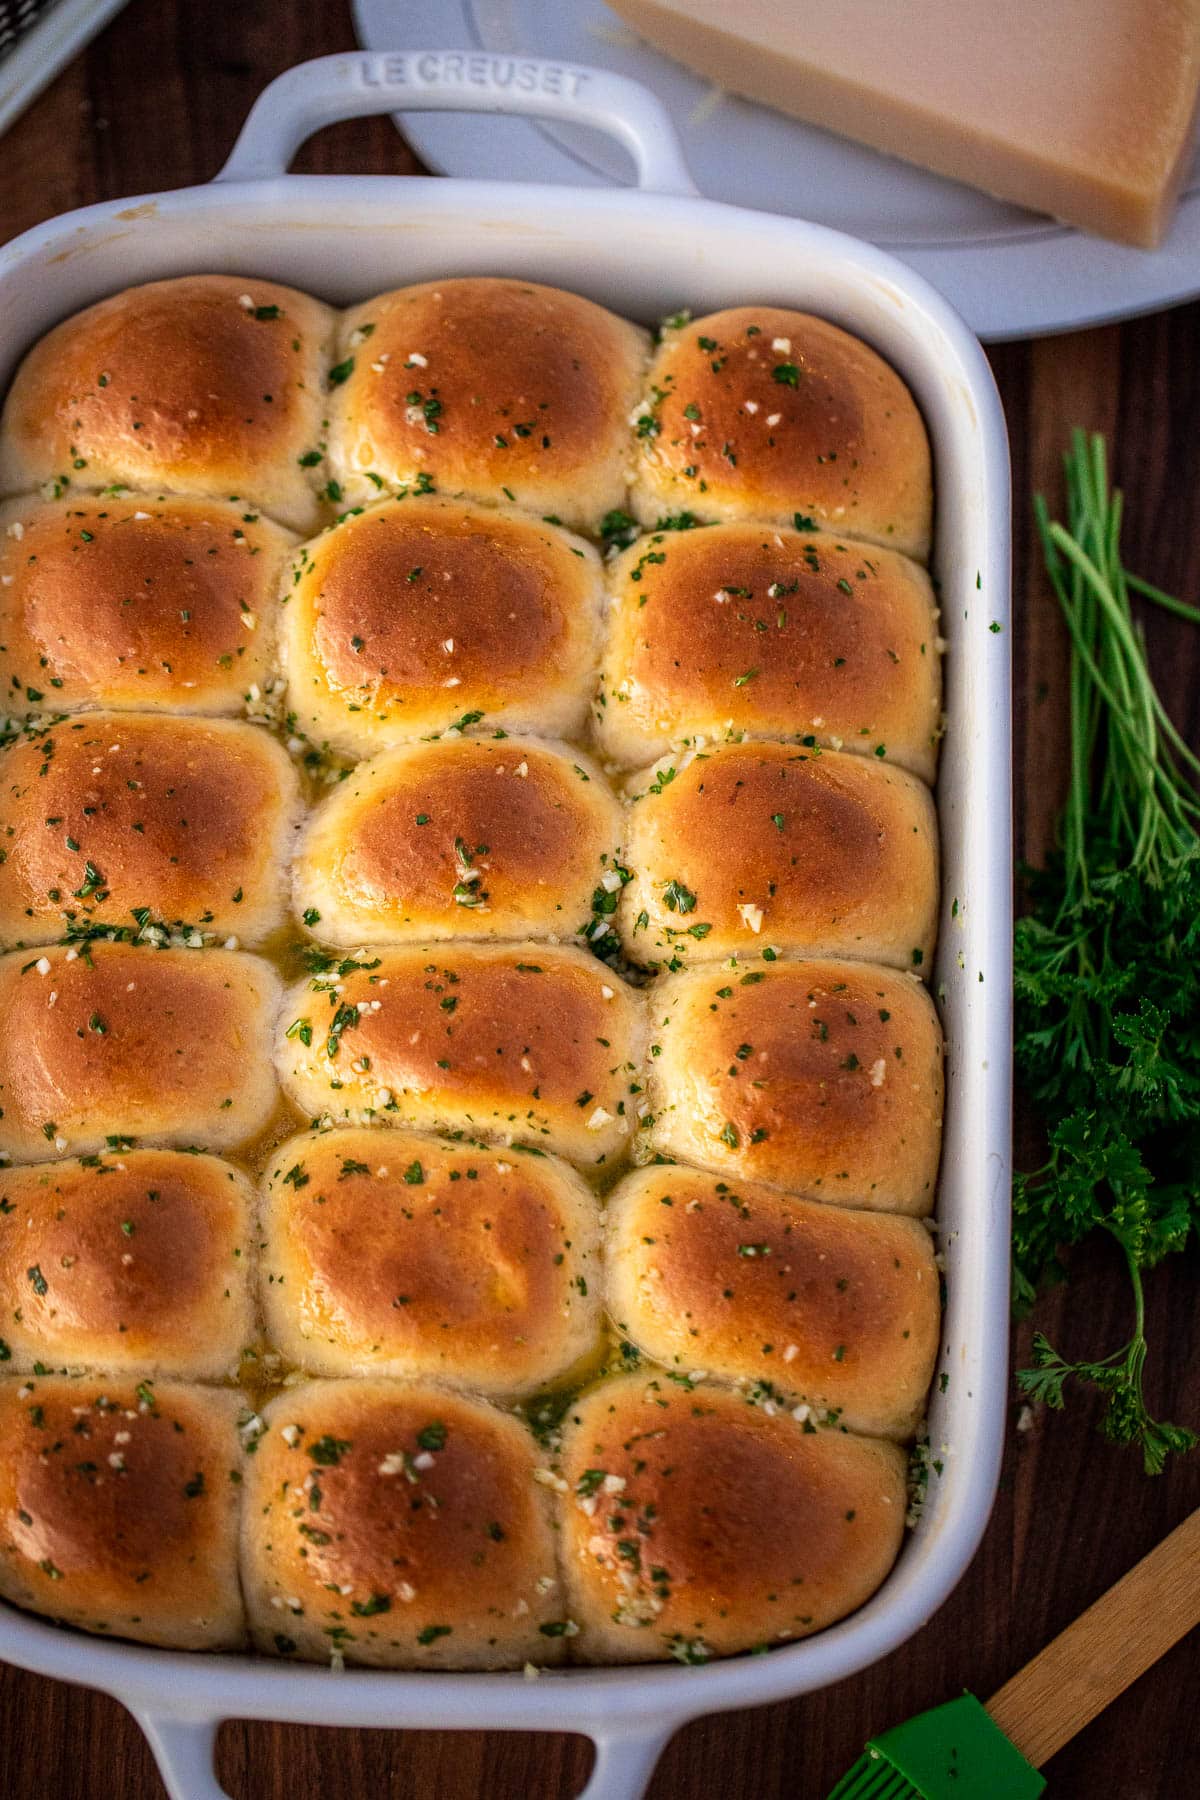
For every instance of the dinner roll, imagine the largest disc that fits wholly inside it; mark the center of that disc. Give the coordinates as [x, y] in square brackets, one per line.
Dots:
[134, 1260]
[497, 389]
[821, 1077]
[205, 384]
[528, 1045]
[408, 617]
[386, 1253]
[136, 601]
[740, 631]
[697, 1525]
[761, 413]
[838, 1309]
[124, 819]
[119, 1507]
[760, 845]
[111, 1045]
[466, 838]
[398, 1525]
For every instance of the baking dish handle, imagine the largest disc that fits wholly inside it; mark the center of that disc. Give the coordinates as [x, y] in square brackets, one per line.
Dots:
[329, 88]
[625, 1761]
[183, 1749]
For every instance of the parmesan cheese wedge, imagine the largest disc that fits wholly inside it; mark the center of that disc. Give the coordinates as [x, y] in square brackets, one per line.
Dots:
[1084, 109]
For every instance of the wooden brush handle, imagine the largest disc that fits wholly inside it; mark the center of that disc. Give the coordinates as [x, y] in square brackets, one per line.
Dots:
[1107, 1647]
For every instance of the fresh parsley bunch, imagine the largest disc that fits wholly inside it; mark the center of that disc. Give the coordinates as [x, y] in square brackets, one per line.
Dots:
[1108, 965]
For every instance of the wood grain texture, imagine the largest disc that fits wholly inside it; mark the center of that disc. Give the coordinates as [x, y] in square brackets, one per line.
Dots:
[156, 102]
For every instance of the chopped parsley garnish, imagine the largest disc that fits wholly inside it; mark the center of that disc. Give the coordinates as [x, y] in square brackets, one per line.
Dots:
[677, 898]
[328, 1451]
[366, 1609]
[93, 882]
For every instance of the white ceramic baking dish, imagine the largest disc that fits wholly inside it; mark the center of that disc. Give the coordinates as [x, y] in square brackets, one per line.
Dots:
[644, 251]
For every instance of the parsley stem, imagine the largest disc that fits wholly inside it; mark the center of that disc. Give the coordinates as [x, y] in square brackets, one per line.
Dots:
[1167, 601]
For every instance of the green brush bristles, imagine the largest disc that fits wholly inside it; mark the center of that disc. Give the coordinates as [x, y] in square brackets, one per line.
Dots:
[872, 1778]
[954, 1752]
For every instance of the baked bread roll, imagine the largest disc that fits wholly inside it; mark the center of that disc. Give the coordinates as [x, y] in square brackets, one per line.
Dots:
[531, 1045]
[482, 1268]
[158, 1047]
[487, 387]
[410, 615]
[765, 845]
[136, 1260]
[420, 1223]
[128, 820]
[740, 631]
[836, 1309]
[205, 384]
[119, 1506]
[398, 1525]
[136, 601]
[759, 413]
[698, 1525]
[470, 838]
[824, 1078]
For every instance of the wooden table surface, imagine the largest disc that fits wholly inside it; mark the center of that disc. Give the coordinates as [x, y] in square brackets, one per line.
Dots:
[155, 103]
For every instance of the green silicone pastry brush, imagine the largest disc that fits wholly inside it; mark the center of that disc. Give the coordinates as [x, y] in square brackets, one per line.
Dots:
[967, 1751]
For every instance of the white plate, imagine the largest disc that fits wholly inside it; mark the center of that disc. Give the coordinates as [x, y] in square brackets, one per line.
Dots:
[1011, 273]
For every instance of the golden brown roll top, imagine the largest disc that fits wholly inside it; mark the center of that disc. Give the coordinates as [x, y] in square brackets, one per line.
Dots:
[488, 387]
[763, 413]
[130, 1260]
[409, 616]
[466, 838]
[741, 631]
[110, 1044]
[388, 1253]
[824, 1078]
[767, 845]
[836, 1309]
[136, 601]
[119, 1507]
[398, 1525]
[133, 821]
[698, 1525]
[530, 1045]
[205, 384]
